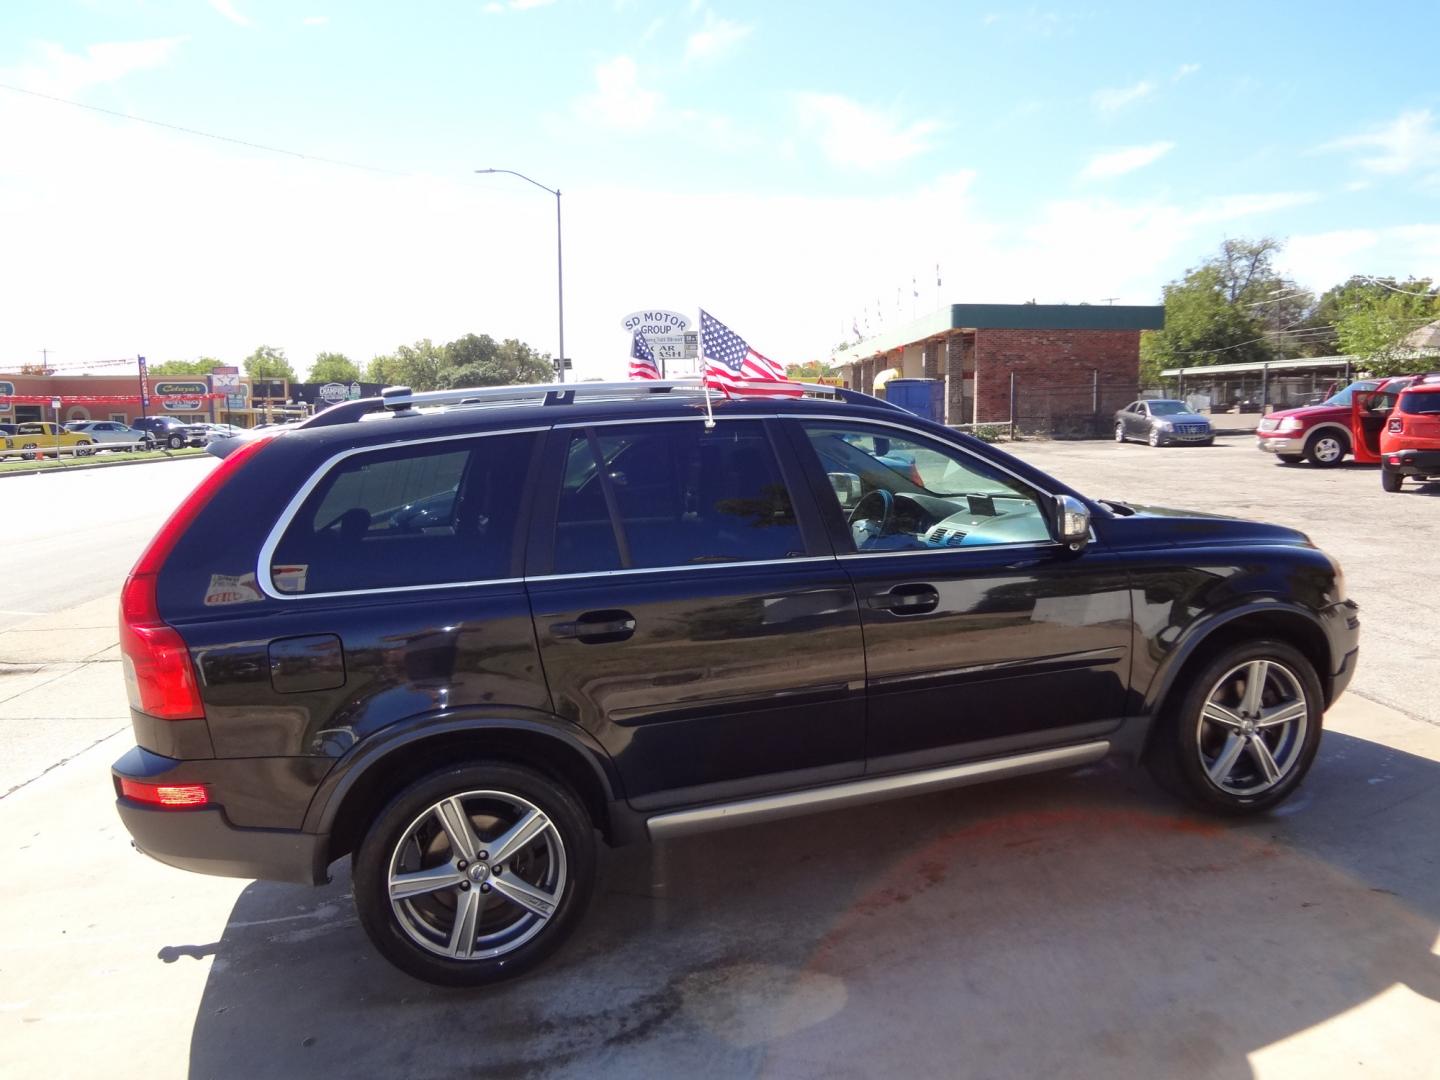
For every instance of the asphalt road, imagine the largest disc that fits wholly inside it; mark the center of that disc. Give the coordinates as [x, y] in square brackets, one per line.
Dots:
[73, 536]
[1075, 925]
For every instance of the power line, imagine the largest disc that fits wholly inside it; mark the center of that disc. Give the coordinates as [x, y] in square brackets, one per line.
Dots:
[1428, 293]
[202, 134]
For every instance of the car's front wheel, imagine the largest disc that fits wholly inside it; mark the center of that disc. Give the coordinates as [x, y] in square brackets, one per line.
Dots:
[1120, 433]
[1156, 438]
[1326, 449]
[475, 874]
[1240, 736]
[175, 442]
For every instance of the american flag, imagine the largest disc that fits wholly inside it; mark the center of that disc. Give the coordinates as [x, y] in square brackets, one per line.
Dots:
[733, 367]
[642, 359]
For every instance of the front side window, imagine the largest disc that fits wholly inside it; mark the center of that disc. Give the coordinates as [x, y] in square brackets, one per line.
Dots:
[672, 494]
[903, 494]
[429, 514]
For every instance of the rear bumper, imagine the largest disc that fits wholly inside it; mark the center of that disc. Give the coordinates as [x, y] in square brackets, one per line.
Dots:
[204, 841]
[1412, 462]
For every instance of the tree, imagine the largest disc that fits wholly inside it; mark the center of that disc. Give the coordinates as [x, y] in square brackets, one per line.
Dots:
[811, 369]
[1373, 325]
[476, 360]
[334, 367]
[269, 363]
[1231, 309]
[185, 367]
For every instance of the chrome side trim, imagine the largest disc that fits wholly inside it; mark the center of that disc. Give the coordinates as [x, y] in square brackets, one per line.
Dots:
[774, 807]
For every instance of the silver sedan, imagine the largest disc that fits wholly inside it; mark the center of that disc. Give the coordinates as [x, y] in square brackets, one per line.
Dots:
[1162, 421]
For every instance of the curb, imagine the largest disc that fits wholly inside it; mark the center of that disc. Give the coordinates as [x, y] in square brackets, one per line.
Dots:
[98, 465]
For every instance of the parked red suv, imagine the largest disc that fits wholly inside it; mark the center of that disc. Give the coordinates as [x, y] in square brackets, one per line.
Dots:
[1410, 443]
[1320, 433]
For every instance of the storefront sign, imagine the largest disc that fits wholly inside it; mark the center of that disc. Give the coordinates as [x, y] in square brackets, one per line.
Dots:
[332, 393]
[6, 390]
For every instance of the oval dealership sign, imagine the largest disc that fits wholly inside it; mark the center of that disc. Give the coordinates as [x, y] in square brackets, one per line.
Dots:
[656, 321]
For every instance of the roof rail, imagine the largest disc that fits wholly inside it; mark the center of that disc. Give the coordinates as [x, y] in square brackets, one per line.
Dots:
[402, 401]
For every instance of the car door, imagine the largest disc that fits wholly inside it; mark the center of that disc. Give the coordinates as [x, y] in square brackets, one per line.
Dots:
[982, 634]
[690, 612]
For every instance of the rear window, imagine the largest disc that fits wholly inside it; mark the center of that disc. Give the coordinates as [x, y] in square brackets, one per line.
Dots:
[1426, 402]
[429, 514]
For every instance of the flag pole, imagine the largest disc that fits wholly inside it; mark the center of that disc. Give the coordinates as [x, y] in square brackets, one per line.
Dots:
[704, 376]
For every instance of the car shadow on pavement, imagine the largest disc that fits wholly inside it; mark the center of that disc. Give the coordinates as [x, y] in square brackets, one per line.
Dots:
[1071, 925]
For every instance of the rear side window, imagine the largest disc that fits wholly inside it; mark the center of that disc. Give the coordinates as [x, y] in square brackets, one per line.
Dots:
[672, 494]
[1427, 403]
[430, 514]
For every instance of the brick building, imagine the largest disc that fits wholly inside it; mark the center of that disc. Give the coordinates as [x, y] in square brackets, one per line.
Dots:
[1071, 363]
[117, 397]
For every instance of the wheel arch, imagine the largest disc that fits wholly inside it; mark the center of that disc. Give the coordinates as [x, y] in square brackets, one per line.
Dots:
[1278, 621]
[376, 770]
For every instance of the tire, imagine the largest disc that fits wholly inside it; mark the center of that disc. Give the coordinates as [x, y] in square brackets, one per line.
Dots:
[1290, 459]
[28, 452]
[407, 836]
[1156, 439]
[1119, 433]
[1208, 442]
[84, 449]
[1326, 449]
[175, 442]
[1391, 481]
[1193, 739]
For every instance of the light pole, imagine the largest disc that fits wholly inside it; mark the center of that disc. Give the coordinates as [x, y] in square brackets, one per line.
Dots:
[559, 259]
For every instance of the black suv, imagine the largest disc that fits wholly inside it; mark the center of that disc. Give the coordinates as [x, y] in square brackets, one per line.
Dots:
[455, 635]
[169, 430]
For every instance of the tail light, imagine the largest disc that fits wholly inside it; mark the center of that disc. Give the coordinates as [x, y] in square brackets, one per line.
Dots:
[170, 796]
[159, 677]
[1397, 426]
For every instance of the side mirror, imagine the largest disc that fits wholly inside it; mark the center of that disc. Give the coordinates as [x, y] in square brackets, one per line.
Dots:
[1072, 521]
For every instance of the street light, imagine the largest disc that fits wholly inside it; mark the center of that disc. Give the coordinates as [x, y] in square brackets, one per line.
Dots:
[559, 258]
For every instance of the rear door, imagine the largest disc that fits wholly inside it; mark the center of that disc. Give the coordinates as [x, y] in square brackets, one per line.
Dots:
[982, 634]
[690, 612]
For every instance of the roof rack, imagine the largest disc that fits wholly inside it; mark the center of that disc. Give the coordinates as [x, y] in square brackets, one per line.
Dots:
[402, 401]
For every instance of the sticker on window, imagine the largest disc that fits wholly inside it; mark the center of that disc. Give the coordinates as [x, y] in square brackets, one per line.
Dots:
[232, 589]
[289, 578]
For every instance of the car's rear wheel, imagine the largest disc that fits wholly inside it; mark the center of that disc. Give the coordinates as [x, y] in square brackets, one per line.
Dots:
[84, 449]
[28, 451]
[1291, 459]
[1240, 736]
[475, 874]
[1391, 481]
[1326, 449]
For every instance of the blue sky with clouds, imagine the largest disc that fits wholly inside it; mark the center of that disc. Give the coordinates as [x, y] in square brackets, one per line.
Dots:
[789, 166]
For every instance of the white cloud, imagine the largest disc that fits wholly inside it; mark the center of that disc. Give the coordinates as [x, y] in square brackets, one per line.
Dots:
[494, 8]
[859, 136]
[717, 37]
[1120, 162]
[656, 25]
[315, 20]
[1114, 98]
[1184, 71]
[526, 5]
[619, 101]
[1229, 207]
[1409, 141]
[52, 70]
[227, 9]
[1320, 260]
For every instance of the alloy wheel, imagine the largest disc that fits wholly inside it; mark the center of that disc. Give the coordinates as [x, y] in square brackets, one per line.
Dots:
[1328, 449]
[477, 875]
[1252, 727]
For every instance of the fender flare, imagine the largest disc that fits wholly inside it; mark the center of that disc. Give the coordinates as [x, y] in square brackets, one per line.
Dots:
[1195, 636]
[373, 751]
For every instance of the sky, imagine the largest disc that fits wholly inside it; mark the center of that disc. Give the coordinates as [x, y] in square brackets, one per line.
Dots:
[799, 170]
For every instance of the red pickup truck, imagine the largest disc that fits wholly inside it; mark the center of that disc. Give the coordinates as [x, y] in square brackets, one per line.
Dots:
[1320, 434]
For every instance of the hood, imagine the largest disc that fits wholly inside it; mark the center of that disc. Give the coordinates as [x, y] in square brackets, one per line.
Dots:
[1310, 412]
[1134, 526]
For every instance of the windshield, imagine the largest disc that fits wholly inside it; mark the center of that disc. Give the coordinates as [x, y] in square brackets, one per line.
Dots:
[1167, 408]
[1343, 397]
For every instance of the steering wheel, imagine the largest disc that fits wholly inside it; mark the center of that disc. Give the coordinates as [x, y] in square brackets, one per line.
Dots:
[865, 525]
